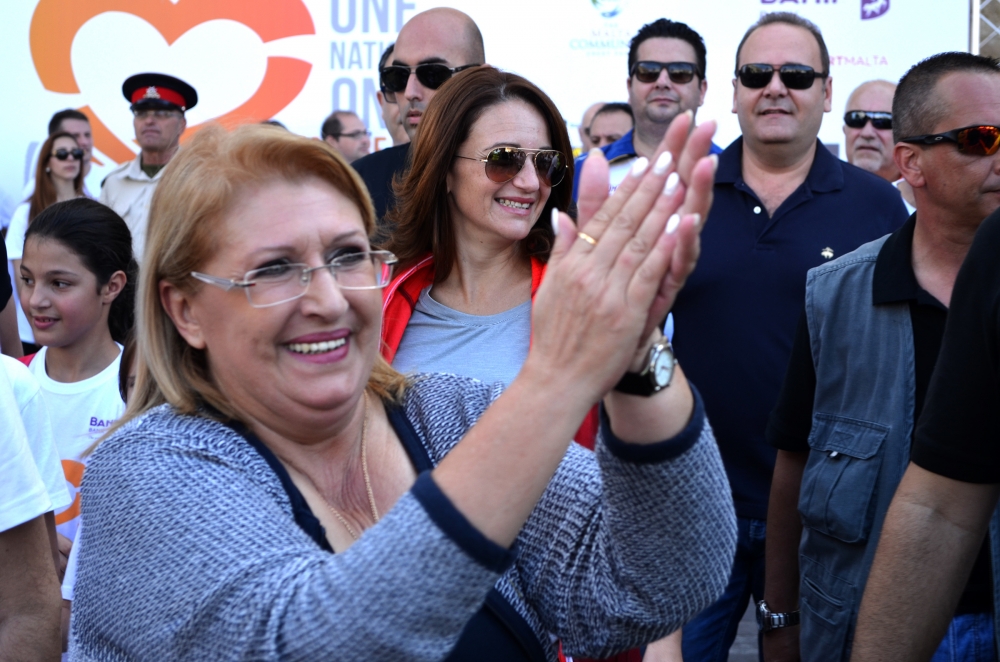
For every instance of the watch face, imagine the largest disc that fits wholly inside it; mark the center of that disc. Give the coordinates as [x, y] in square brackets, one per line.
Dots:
[663, 367]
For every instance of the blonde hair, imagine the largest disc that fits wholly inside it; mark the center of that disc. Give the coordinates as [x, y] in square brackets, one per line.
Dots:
[201, 183]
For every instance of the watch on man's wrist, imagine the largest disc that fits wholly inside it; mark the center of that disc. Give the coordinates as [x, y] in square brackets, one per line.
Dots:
[656, 373]
[768, 620]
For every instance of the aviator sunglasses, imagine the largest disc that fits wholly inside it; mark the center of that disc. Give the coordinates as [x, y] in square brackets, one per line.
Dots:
[503, 164]
[856, 119]
[432, 76]
[62, 154]
[649, 72]
[982, 140]
[793, 76]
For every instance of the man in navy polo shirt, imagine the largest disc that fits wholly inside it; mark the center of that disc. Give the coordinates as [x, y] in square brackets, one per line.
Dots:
[783, 204]
[666, 76]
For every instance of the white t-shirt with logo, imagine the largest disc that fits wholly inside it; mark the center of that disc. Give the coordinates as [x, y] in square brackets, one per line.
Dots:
[23, 496]
[37, 427]
[80, 412]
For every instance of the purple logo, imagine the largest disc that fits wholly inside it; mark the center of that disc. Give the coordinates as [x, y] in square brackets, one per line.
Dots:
[873, 8]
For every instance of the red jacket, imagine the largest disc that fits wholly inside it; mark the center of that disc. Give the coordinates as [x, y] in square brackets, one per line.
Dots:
[400, 298]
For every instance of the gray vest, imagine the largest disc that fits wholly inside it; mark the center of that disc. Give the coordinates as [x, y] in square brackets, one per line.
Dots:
[859, 445]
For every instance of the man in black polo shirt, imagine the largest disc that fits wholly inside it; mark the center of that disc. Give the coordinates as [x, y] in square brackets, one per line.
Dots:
[845, 417]
[433, 45]
[946, 500]
[783, 204]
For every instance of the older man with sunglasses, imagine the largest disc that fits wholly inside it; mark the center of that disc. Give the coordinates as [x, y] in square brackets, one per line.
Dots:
[868, 134]
[868, 129]
[920, 582]
[783, 204]
[432, 47]
[666, 77]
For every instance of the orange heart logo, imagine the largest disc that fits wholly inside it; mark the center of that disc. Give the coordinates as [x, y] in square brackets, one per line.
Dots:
[56, 22]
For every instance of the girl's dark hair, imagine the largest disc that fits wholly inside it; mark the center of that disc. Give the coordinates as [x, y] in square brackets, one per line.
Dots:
[125, 367]
[103, 241]
[45, 191]
[421, 221]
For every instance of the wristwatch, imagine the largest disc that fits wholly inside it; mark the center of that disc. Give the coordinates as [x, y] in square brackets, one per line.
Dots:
[768, 620]
[656, 374]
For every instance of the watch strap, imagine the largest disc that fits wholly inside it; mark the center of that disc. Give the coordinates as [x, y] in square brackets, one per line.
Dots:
[635, 383]
[644, 383]
[768, 620]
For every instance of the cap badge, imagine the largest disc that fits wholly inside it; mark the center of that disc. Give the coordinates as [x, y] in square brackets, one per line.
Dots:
[827, 253]
[151, 93]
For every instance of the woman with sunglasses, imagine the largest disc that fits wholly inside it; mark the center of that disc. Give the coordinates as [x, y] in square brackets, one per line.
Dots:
[58, 177]
[472, 229]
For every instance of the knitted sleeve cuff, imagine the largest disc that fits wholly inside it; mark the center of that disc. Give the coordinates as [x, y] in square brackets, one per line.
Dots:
[661, 450]
[455, 525]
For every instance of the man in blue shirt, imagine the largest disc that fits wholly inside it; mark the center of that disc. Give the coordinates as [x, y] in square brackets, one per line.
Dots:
[783, 204]
[666, 76]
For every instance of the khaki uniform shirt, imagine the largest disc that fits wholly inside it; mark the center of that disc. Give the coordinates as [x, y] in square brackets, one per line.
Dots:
[129, 191]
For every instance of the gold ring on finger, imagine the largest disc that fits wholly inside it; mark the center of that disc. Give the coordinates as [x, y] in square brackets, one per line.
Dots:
[587, 238]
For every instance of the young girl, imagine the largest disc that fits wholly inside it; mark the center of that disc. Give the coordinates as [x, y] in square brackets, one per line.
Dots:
[77, 283]
[58, 177]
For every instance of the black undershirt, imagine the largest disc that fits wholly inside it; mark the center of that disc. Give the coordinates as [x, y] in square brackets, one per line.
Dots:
[958, 431]
[791, 421]
[151, 170]
[6, 286]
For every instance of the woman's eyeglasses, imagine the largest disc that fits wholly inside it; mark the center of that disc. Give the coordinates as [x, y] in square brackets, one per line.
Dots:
[680, 73]
[856, 119]
[503, 164]
[793, 76]
[282, 283]
[982, 140]
[394, 78]
[63, 154]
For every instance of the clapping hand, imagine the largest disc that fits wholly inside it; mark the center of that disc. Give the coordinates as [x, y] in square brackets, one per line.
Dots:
[612, 279]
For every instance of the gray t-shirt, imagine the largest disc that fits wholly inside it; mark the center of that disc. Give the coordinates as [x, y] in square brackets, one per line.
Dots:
[490, 348]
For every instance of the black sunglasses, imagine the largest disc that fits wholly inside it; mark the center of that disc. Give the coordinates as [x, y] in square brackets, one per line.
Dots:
[62, 154]
[793, 76]
[649, 72]
[394, 78]
[503, 164]
[982, 140]
[856, 119]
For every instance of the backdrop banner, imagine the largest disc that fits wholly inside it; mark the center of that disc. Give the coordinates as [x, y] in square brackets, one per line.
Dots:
[297, 60]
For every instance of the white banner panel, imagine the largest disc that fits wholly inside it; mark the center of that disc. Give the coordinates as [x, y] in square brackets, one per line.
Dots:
[295, 60]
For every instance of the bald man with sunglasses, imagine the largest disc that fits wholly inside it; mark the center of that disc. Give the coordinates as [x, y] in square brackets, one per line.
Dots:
[868, 137]
[844, 421]
[432, 47]
[868, 129]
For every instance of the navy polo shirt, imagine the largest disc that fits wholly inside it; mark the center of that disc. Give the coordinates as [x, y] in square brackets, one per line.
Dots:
[735, 319]
[618, 152]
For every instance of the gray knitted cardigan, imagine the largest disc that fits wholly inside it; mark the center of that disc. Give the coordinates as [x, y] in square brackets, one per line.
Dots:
[189, 550]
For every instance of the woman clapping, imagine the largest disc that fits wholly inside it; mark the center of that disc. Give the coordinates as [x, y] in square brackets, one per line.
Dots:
[290, 496]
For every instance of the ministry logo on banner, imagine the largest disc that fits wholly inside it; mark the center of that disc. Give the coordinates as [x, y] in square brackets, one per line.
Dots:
[873, 8]
[607, 8]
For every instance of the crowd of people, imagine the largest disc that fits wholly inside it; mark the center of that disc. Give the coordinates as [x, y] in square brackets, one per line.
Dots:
[270, 396]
